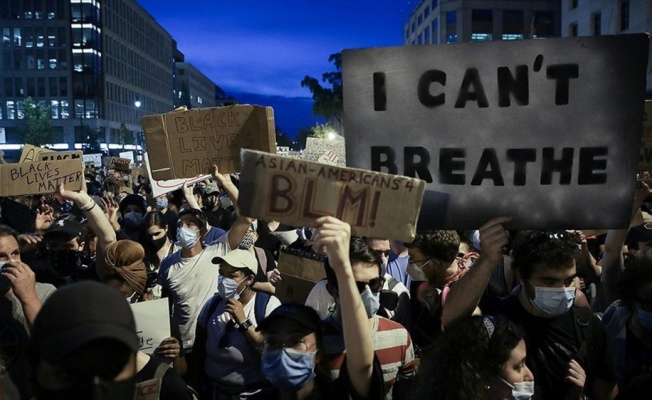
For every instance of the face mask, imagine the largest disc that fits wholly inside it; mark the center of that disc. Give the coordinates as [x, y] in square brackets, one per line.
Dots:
[644, 318]
[520, 390]
[133, 219]
[93, 389]
[65, 262]
[161, 204]
[383, 266]
[157, 244]
[187, 237]
[228, 288]
[247, 241]
[416, 273]
[371, 302]
[553, 302]
[288, 369]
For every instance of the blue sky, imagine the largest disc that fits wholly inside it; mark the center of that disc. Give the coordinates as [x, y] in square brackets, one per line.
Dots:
[260, 50]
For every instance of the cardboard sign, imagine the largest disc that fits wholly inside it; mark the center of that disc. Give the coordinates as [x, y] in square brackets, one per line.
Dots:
[60, 155]
[41, 177]
[534, 129]
[30, 153]
[299, 276]
[297, 192]
[162, 187]
[120, 164]
[645, 158]
[152, 323]
[95, 159]
[325, 151]
[184, 144]
[128, 155]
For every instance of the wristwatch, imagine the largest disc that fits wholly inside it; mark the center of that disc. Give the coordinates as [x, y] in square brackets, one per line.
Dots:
[245, 326]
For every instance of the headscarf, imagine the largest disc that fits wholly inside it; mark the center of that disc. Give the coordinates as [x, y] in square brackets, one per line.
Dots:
[125, 259]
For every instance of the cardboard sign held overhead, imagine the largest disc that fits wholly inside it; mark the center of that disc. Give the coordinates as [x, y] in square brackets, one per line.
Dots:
[326, 151]
[152, 323]
[41, 177]
[162, 187]
[538, 130]
[297, 192]
[120, 164]
[299, 277]
[184, 144]
[95, 159]
[30, 153]
[60, 155]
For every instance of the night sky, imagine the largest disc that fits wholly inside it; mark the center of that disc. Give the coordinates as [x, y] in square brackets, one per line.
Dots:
[259, 50]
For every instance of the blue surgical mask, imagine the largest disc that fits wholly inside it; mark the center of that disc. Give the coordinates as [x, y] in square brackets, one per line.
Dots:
[553, 302]
[187, 237]
[288, 369]
[644, 318]
[133, 219]
[161, 204]
[228, 288]
[371, 302]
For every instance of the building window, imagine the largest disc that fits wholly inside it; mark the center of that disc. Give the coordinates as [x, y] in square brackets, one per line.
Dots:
[596, 22]
[18, 39]
[481, 25]
[434, 4]
[11, 109]
[573, 4]
[420, 38]
[544, 24]
[435, 31]
[426, 12]
[426, 35]
[54, 109]
[624, 15]
[512, 25]
[451, 27]
[420, 20]
[572, 29]
[65, 113]
[414, 25]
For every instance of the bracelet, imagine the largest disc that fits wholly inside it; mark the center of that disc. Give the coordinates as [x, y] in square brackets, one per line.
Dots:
[88, 206]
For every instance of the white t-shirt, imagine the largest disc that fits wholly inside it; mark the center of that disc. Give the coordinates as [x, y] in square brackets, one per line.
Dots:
[320, 300]
[190, 283]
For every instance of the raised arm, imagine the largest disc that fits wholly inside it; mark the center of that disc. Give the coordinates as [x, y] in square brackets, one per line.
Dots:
[190, 197]
[465, 294]
[241, 224]
[334, 237]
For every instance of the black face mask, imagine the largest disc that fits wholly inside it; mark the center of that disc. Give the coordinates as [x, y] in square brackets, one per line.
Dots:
[94, 388]
[65, 262]
[156, 244]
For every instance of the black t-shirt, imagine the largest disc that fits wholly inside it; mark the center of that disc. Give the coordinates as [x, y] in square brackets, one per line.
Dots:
[638, 358]
[219, 218]
[170, 218]
[552, 342]
[342, 388]
[172, 386]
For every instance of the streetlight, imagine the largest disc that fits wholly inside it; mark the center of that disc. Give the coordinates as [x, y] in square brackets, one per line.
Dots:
[139, 139]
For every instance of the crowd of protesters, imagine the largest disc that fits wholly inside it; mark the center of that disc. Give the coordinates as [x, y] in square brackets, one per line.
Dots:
[485, 314]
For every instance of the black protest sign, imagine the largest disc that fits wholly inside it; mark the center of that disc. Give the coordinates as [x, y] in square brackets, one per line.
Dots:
[546, 131]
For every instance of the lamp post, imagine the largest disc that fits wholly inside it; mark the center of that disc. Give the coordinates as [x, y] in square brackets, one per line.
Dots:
[138, 103]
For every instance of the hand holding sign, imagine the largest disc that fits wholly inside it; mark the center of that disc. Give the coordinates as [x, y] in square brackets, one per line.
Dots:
[493, 237]
[169, 349]
[332, 237]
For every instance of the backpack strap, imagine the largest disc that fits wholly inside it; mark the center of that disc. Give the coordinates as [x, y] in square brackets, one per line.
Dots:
[212, 306]
[260, 305]
[262, 259]
[582, 320]
[391, 284]
[161, 370]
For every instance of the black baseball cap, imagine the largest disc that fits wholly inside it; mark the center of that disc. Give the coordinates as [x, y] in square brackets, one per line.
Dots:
[304, 316]
[65, 226]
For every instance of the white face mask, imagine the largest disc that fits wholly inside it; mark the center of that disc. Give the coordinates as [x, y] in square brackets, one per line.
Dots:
[228, 288]
[416, 273]
[520, 390]
[553, 302]
[371, 302]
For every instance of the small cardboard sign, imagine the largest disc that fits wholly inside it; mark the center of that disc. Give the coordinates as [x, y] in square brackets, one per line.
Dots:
[127, 154]
[95, 159]
[162, 187]
[645, 158]
[60, 155]
[538, 130]
[297, 192]
[152, 323]
[30, 153]
[187, 143]
[41, 177]
[299, 277]
[120, 164]
[326, 151]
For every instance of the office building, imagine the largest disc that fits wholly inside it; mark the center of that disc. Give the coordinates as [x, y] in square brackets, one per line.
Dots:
[456, 21]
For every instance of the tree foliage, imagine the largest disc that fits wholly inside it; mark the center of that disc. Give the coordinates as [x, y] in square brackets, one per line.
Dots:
[37, 123]
[327, 101]
[126, 136]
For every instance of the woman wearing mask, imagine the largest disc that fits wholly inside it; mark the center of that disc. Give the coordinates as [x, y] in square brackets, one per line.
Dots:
[225, 359]
[132, 209]
[157, 245]
[293, 354]
[479, 358]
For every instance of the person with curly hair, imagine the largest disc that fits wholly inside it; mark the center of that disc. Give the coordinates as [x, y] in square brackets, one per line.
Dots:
[571, 355]
[478, 358]
[629, 320]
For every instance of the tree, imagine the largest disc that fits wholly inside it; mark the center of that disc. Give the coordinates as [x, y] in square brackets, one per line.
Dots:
[93, 139]
[37, 119]
[320, 131]
[327, 101]
[126, 136]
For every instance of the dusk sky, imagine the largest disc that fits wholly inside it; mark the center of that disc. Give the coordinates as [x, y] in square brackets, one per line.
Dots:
[260, 50]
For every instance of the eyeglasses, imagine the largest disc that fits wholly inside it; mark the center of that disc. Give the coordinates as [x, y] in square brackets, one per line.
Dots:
[376, 285]
[549, 237]
[424, 262]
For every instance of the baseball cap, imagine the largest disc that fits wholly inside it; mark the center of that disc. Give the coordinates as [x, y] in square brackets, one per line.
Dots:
[65, 226]
[78, 314]
[239, 258]
[305, 316]
[211, 189]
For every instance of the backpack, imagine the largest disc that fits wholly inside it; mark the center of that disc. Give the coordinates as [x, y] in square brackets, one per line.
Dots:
[260, 305]
[582, 324]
